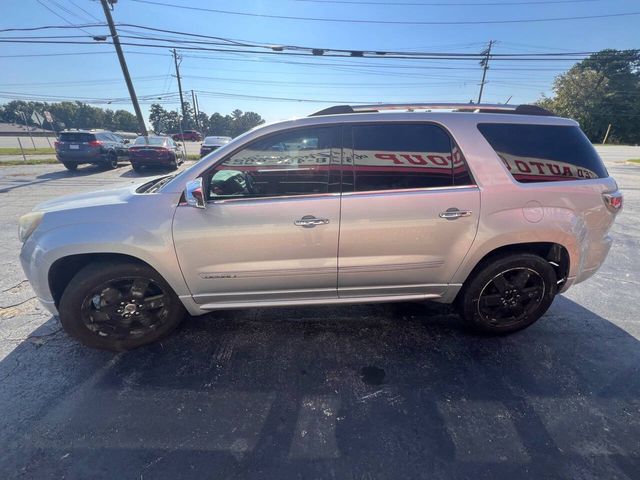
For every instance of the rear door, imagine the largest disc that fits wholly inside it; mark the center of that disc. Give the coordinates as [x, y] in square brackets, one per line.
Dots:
[270, 229]
[120, 147]
[412, 212]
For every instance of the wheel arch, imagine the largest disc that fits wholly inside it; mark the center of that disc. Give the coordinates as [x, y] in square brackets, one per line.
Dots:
[555, 253]
[65, 268]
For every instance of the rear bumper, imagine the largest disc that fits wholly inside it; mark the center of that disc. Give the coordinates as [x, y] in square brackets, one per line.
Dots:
[80, 157]
[207, 150]
[150, 162]
[591, 260]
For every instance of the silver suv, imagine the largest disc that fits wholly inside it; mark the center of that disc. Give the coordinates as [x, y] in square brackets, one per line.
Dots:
[494, 208]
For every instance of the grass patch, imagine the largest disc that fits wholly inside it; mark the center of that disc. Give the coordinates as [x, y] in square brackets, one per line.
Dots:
[32, 161]
[634, 160]
[193, 156]
[27, 151]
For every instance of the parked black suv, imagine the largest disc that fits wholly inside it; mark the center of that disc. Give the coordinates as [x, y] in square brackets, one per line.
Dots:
[75, 147]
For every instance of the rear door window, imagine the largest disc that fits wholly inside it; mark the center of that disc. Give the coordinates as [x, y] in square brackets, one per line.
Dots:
[544, 153]
[405, 156]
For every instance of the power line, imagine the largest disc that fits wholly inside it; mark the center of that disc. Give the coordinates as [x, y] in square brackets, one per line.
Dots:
[447, 4]
[387, 22]
[49, 27]
[129, 52]
[432, 56]
[281, 49]
[247, 43]
[62, 16]
[88, 13]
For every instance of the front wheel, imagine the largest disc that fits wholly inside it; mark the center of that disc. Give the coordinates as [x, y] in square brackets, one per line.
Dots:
[508, 294]
[119, 306]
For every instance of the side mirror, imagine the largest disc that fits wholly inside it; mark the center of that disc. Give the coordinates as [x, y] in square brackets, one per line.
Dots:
[194, 194]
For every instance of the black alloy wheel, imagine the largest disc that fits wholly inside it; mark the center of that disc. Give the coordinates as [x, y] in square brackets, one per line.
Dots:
[125, 308]
[119, 306]
[509, 293]
[511, 296]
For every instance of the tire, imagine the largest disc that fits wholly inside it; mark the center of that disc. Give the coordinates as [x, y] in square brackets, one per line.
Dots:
[173, 165]
[119, 306]
[495, 300]
[72, 167]
[136, 167]
[112, 161]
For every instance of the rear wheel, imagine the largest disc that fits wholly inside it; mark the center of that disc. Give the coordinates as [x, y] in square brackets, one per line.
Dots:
[136, 167]
[508, 294]
[72, 167]
[119, 306]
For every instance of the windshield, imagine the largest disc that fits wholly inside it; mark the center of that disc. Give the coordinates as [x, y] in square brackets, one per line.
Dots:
[156, 141]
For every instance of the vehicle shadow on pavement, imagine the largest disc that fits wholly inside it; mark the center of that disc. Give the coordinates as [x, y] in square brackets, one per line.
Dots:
[364, 392]
[83, 170]
[63, 174]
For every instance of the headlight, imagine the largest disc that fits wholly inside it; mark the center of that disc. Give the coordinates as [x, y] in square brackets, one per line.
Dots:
[28, 223]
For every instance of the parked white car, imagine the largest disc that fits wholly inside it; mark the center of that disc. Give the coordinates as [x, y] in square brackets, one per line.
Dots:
[212, 143]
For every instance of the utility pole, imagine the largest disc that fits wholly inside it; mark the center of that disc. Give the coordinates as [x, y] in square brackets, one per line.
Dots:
[606, 135]
[123, 65]
[484, 63]
[175, 59]
[195, 110]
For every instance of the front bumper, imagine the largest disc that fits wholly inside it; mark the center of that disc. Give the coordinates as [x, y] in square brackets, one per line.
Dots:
[36, 271]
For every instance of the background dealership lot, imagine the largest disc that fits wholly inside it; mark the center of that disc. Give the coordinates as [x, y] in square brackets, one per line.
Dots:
[379, 391]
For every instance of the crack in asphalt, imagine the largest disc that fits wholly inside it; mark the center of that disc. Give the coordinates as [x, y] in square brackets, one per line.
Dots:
[15, 286]
[13, 305]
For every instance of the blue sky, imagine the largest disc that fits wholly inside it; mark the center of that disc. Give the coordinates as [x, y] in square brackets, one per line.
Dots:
[98, 76]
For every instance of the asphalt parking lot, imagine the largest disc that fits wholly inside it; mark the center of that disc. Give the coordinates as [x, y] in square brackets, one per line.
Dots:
[358, 392]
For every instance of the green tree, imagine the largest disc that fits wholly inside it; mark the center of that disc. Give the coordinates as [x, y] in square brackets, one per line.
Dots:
[125, 121]
[245, 122]
[220, 125]
[158, 118]
[601, 90]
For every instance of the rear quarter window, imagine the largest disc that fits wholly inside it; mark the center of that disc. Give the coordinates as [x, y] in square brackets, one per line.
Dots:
[76, 137]
[544, 153]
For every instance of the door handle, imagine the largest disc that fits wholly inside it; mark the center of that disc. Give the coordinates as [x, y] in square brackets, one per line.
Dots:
[309, 221]
[453, 213]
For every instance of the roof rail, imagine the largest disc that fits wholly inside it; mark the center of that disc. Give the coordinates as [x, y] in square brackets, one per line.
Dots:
[456, 107]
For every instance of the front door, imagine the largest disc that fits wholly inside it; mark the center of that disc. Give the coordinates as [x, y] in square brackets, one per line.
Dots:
[270, 229]
[412, 213]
